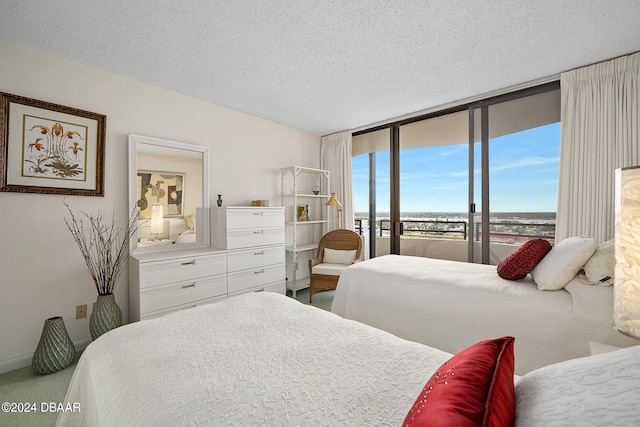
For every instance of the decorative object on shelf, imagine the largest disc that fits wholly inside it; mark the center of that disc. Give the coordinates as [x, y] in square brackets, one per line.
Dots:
[260, 203]
[105, 249]
[334, 202]
[219, 201]
[50, 148]
[55, 349]
[105, 316]
[626, 288]
[302, 213]
[316, 190]
[157, 220]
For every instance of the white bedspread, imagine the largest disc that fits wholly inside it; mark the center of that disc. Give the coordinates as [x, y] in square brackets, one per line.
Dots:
[450, 305]
[260, 359]
[601, 390]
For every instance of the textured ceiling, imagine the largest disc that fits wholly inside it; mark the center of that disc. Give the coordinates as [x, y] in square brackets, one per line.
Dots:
[325, 66]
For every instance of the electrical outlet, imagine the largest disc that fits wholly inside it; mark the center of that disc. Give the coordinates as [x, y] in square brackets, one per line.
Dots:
[81, 311]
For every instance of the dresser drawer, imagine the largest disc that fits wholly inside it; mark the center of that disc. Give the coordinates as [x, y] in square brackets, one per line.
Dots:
[158, 313]
[277, 287]
[255, 237]
[259, 257]
[181, 269]
[162, 297]
[255, 277]
[254, 218]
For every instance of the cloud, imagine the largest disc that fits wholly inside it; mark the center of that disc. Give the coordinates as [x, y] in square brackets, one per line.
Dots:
[523, 163]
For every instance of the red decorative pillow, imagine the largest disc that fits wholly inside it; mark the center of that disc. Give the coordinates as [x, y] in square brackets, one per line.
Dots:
[522, 260]
[473, 388]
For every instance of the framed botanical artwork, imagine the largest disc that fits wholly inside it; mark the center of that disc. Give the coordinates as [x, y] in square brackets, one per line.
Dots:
[50, 148]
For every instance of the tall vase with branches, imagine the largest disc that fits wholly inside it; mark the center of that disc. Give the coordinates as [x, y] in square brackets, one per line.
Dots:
[105, 248]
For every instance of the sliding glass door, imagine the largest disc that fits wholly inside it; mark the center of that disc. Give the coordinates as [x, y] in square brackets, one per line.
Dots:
[371, 174]
[466, 184]
[434, 185]
[516, 148]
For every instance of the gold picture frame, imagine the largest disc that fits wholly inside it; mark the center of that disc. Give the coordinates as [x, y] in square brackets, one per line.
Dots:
[49, 148]
[302, 213]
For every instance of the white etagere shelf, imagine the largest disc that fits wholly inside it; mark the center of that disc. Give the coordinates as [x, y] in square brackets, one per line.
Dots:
[299, 187]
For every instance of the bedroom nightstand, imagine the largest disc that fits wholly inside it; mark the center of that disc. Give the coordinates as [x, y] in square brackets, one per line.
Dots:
[599, 348]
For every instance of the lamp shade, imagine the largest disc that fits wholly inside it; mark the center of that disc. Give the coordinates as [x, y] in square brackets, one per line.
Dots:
[157, 219]
[626, 292]
[333, 201]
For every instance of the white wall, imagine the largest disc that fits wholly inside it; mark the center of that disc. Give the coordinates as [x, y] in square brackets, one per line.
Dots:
[42, 271]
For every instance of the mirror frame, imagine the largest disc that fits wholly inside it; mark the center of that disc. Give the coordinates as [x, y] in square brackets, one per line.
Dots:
[134, 142]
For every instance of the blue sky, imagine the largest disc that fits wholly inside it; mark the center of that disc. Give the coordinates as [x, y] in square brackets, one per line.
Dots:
[523, 175]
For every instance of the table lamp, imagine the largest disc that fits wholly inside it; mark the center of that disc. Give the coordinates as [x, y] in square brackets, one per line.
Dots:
[626, 290]
[157, 220]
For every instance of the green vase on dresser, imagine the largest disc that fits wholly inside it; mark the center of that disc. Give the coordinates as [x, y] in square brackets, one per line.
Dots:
[55, 349]
[105, 316]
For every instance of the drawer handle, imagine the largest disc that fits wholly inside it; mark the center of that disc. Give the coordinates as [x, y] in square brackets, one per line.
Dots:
[259, 253]
[259, 232]
[193, 285]
[259, 213]
[259, 272]
[189, 262]
[259, 290]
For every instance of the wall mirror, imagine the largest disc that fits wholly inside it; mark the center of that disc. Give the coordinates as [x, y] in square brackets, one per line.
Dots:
[168, 187]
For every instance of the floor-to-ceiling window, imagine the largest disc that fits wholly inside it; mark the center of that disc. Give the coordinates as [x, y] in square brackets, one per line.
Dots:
[465, 184]
[516, 149]
[371, 189]
[434, 186]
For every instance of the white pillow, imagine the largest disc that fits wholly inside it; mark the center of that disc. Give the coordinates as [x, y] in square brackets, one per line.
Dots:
[335, 256]
[562, 263]
[598, 270]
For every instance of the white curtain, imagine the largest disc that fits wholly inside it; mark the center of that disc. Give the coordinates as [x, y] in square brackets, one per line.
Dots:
[335, 156]
[599, 133]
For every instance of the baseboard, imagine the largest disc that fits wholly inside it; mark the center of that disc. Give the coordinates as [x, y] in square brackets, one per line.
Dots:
[23, 361]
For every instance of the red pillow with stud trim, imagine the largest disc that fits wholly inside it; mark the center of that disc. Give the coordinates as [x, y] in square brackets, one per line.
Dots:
[473, 388]
[521, 261]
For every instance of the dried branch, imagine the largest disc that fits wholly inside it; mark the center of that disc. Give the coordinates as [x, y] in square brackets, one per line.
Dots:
[105, 248]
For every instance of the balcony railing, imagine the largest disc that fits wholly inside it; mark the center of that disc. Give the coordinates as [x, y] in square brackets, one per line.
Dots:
[502, 231]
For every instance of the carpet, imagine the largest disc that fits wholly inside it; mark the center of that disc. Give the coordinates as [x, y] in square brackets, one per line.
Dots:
[36, 392]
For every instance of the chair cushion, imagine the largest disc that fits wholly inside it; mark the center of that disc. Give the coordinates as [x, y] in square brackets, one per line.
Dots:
[335, 256]
[328, 269]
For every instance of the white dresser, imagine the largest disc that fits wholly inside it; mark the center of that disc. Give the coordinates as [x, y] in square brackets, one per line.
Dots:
[162, 282]
[254, 240]
[249, 257]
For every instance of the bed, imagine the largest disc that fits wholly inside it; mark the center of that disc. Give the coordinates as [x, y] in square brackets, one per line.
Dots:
[266, 359]
[450, 304]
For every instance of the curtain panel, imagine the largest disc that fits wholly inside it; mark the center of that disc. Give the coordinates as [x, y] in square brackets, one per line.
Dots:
[599, 133]
[335, 156]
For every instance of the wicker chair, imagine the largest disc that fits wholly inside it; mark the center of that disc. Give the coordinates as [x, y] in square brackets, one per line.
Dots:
[324, 276]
